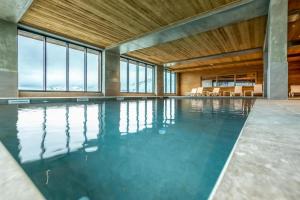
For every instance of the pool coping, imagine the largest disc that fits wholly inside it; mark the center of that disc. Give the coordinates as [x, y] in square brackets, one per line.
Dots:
[14, 181]
[261, 165]
[80, 99]
[225, 167]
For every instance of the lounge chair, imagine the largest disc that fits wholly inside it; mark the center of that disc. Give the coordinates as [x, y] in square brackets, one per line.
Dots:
[200, 91]
[258, 90]
[215, 92]
[237, 90]
[193, 92]
[295, 89]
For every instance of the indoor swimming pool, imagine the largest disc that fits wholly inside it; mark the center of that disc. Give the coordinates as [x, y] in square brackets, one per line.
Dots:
[131, 149]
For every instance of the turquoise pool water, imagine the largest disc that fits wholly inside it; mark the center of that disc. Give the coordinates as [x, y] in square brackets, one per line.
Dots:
[135, 149]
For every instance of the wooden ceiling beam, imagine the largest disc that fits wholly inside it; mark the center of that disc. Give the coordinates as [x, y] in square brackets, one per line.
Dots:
[202, 67]
[215, 56]
[232, 13]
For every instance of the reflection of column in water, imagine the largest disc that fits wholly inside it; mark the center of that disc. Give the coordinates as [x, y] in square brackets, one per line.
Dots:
[84, 126]
[43, 149]
[100, 118]
[67, 129]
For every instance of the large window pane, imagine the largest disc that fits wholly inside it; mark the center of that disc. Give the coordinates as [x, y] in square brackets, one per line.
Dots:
[173, 83]
[30, 61]
[76, 68]
[132, 76]
[56, 65]
[142, 80]
[149, 79]
[92, 70]
[168, 82]
[123, 75]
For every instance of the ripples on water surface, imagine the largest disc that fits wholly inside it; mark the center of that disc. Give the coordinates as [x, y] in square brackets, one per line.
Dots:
[137, 149]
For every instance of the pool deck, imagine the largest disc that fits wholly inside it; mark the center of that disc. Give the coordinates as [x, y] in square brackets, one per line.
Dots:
[14, 183]
[265, 162]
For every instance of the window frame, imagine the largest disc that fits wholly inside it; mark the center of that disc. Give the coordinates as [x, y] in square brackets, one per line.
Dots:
[166, 72]
[68, 42]
[146, 65]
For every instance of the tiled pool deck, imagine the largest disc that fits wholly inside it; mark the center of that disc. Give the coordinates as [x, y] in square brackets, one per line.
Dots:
[265, 163]
[14, 183]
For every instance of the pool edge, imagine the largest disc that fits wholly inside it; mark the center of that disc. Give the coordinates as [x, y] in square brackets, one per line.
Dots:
[12, 175]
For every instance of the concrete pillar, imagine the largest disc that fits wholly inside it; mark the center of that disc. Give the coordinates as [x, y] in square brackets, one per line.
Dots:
[111, 73]
[8, 59]
[265, 80]
[159, 80]
[276, 65]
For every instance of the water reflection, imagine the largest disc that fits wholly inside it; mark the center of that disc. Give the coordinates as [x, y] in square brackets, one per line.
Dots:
[49, 131]
[52, 130]
[135, 116]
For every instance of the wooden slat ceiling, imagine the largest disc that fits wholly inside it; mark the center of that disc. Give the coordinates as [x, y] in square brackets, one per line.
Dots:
[250, 59]
[294, 27]
[245, 35]
[106, 22]
[103, 23]
[213, 62]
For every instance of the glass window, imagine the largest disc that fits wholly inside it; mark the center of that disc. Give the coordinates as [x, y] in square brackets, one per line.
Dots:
[142, 80]
[56, 65]
[123, 75]
[136, 76]
[173, 83]
[76, 68]
[149, 79]
[92, 70]
[43, 64]
[169, 82]
[30, 61]
[132, 76]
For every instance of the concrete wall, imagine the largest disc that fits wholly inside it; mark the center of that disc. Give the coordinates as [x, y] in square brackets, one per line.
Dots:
[159, 80]
[111, 75]
[8, 60]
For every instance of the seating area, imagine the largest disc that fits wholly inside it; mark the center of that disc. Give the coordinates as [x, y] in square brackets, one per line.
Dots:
[294, 90]
[256, 90]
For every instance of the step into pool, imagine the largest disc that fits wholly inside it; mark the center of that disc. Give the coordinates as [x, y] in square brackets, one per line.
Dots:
[125, 149]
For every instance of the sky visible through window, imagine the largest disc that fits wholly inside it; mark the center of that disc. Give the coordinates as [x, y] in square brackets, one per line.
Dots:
[56, 76]
[169, 82]
[136, 77]
[31, 59]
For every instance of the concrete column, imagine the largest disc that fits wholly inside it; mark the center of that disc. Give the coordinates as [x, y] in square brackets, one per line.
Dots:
[265, 80]
[276, 65]
[111, 73]
[159, 80]
[8, 59]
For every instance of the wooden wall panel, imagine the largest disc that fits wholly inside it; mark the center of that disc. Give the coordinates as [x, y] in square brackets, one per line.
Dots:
[191, 80]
